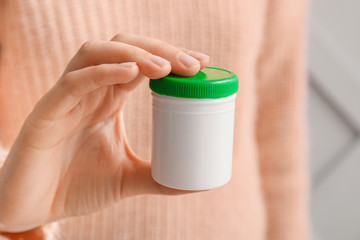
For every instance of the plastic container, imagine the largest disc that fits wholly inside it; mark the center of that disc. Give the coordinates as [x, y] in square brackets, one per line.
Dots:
[193, 127]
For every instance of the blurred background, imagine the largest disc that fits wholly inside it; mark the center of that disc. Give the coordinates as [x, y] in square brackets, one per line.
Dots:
[334, 118]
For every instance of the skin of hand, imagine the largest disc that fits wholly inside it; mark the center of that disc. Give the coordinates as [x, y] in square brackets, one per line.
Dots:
[71, 156]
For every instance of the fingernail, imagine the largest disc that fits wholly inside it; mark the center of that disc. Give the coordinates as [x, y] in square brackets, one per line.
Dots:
[161, 62]
[127, 64]
[187, 60]
[198, 55]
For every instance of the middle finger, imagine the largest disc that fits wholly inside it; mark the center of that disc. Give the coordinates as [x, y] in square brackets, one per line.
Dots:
[181, 63]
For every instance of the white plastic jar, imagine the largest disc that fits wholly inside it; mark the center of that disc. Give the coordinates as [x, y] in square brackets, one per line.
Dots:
[193, 127]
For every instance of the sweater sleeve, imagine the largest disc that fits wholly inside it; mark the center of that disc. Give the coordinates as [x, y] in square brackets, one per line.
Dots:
[281, 129]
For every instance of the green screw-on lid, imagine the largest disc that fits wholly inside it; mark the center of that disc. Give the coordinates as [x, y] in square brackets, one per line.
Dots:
[208, 83]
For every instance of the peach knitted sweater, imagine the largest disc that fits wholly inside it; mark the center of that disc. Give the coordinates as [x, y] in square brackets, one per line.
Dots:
[261, 40]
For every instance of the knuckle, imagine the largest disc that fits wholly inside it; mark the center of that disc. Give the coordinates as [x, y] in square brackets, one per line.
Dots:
[66, 80]
[100, 74]
[98, 71]
[119, 36]
[187, 51]
[86, 47]
[136, 52]
[163, 46]
[67, 85]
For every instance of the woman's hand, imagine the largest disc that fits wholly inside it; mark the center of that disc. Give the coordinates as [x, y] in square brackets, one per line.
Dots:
[71, 156]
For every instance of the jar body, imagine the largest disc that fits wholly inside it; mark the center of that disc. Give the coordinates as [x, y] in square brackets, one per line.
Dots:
[192, 141]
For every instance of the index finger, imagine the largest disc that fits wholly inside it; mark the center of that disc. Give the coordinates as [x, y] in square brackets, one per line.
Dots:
[106, 52]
